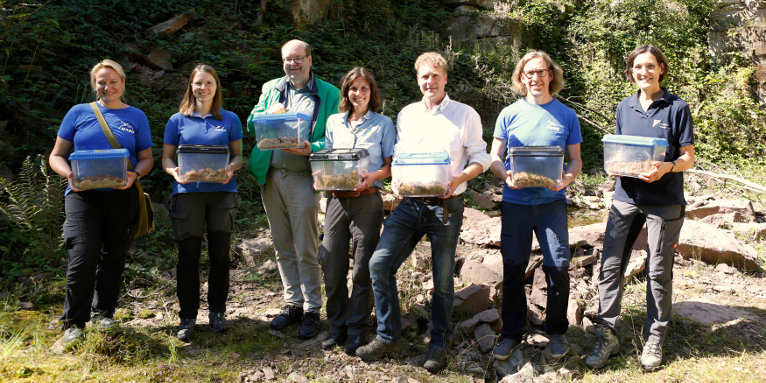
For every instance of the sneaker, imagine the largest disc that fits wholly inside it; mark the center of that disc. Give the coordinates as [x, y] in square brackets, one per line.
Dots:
[353, 343]
[310, 326]
[186, 329]
[332, 340]
[436, 360]
[72, 336]
[505, 348]
[377, 349]
[606, 345]
[558, 345]
[103, 323]
[218, 322]
[651, 358]
[290, 314]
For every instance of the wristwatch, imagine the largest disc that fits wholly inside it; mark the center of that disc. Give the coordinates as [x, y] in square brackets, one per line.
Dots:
[673, 170]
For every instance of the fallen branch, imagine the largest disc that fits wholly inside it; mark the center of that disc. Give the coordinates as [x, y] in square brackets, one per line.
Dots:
[751, 185]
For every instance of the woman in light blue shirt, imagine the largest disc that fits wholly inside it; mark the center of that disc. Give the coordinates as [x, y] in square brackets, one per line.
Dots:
[357, 214]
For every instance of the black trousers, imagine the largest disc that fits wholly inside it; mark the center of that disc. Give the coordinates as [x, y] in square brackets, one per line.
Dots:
[98, 231]
[189, 213]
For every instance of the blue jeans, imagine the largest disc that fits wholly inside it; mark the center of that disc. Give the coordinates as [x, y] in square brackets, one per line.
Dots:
[402, 231]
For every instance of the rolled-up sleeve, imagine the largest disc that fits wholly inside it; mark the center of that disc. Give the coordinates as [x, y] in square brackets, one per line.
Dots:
[474, 144]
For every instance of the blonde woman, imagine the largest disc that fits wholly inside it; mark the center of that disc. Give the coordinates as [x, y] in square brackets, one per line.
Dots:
[99, 223]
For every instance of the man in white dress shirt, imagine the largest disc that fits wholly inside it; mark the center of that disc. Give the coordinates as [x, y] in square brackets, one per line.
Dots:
[434, 124]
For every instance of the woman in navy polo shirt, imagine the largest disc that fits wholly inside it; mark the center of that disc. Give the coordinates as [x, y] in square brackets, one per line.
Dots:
[358, 214]
[655, 198]
[99, 226]
[202, 121]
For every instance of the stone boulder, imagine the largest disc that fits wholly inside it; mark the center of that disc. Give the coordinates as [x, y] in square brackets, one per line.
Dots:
[636, 265]
[171, 26]
[390, 201]
[481, 274]
[722, 220]
[750, 229]
[473, 299]
[715, 246]
[485, 337]
[702, 209]
[480, 229]
[251, 248]
[307, 12]
[574, 312]
[708, 312]
[159, 59]
[487, 4]
[481, 200]
[539, 294]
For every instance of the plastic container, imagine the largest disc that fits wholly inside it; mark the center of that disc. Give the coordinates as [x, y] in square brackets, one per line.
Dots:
[203, 163]
[339, 169]
[99, 169]
[630, 156]
[536, 166]
[281, 130]
[420, 174]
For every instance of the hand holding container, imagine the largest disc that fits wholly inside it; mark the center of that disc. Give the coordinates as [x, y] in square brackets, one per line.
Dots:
[420, 174]
[536, 166]
[203, 163]
[339, 169]
[630, 156]
[281, 130]
[99, 169]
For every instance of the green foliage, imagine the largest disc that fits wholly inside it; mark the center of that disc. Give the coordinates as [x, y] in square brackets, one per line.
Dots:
[32, 209]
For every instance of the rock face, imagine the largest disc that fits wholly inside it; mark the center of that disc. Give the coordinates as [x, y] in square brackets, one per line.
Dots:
[307, 12]
[171, 26]
[488, 4]
[485, 31]
[159, 59]
[715, 246]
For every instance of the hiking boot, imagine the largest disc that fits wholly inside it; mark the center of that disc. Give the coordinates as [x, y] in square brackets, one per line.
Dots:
[353, 343]
[310, 326]
[651, 358]
[72, 336]
[332, 340]
[186, 329]
[103, 323]
[290, 314]
[218, 322]
[436, 360]
[558, 345]
[377, 349]
[505, 348]
[606, 345]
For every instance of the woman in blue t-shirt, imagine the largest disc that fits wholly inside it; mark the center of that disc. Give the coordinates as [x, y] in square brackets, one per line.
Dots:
[99, 226]
[201, 121]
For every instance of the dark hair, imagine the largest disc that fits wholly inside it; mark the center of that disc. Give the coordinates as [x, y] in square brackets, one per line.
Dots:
[348, 79]
[554, 86]
[188, 103]
[656, 52]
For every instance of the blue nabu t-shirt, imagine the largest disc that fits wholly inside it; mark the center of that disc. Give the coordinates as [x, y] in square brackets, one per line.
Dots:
[129, 125]
[525, 124]
[196, 130]
[668, 118]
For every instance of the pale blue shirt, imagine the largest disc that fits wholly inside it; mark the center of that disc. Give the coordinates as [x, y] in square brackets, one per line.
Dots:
[375, 133]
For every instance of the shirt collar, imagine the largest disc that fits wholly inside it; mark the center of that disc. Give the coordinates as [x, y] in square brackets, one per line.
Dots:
[439, 108]
[366, 116]
[635, 103]
[309, 85]
[197, 115]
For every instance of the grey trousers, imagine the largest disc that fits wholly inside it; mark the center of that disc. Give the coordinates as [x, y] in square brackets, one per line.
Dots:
[292, 207]
[663, 224]
[359, 219]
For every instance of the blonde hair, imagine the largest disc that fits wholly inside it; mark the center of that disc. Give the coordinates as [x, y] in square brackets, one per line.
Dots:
[554, 86]
[434, 58]
[189, 102]
[105, 64]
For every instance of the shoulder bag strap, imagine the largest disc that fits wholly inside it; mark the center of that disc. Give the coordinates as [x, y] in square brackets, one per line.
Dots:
[108, 132]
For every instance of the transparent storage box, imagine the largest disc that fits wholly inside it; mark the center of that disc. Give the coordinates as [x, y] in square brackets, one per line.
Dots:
[630, 156]
[203, 163]
[281, 130]
[99, 169]
[420, 174]
[536, 166]
[339, 169]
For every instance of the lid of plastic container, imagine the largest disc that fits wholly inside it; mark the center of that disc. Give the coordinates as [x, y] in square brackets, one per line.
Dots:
[339, 154]
[208, 149]
[97, 154]
[536, 151]
[634, 140]
[437, 158]
[281, 117]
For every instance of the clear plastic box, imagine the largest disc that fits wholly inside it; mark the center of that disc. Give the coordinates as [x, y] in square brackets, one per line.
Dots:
[203, 163]
[630, 156]
[420, 174]
[99, 169]
[536, 166]
[281, 130]
[339, 169]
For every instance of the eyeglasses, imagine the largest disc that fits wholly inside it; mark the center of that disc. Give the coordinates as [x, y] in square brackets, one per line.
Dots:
[297, 60]
[540, 73]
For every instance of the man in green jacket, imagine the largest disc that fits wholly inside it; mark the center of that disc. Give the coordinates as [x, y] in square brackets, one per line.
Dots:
[288, 195]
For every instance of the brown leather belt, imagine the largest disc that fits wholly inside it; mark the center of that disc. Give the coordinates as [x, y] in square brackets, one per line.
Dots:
[351, 194]
[436, 201]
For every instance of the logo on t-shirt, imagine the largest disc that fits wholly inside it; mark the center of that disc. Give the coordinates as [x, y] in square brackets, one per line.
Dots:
[554, 125]
[126, 127]
[219, 128]
[661, 124]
